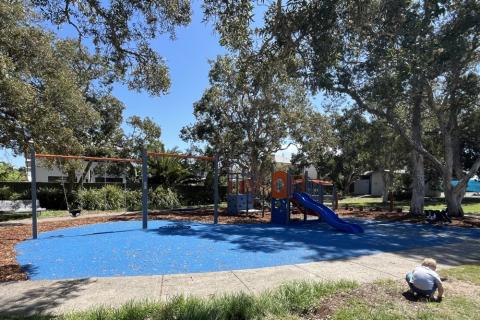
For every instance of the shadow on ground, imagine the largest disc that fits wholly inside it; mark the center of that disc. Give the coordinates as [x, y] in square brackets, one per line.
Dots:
[168, 247]
[39, 300]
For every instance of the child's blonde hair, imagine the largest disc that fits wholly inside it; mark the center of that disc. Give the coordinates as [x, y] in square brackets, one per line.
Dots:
[430, 263]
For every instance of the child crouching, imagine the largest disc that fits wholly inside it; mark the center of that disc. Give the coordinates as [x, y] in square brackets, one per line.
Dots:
[424, 280]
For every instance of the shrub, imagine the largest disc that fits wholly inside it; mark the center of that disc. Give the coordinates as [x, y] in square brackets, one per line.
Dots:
[163, 198]
[8, 194]
[109, 197]
[53, 198]
[134, 200]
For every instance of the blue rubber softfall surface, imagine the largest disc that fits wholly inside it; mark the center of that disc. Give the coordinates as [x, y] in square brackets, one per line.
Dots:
[123, 248]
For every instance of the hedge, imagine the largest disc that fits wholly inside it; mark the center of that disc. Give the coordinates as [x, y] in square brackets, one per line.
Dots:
[111, 196]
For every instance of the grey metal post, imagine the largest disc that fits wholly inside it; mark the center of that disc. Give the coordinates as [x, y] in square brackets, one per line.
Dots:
[334, 198]
[322, 192]
[289, 196]
[236, 183]
[305, 177]
[144, 188]
[33, 174]
[215, 190]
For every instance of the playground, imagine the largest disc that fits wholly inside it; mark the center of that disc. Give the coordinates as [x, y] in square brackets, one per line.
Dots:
[299, 229]
[300, 235]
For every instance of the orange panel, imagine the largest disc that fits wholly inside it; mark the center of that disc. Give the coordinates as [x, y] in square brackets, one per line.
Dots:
[242, 187]
[279, 185]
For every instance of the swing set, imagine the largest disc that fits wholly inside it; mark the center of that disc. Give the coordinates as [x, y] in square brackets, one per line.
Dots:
[144, 161]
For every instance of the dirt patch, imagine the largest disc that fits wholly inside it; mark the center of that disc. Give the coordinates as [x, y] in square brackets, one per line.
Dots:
[11, 234]
[394, 293]
[371, 292]
[457, 287]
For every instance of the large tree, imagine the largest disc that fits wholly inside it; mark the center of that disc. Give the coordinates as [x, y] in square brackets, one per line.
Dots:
[41, 96]
[246, 113]
[121, 31]
[398, 60]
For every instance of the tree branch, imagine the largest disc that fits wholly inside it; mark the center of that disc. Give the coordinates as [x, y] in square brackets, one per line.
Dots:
[462, 183]
[388, 116]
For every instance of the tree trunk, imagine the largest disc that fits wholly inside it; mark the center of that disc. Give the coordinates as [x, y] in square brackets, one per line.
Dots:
[387, 182]
[454, 199]
[452, 194]
[85, 172]
[417, 201]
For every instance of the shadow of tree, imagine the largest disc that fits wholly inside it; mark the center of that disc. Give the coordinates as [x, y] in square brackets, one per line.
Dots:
[327, 243]
[178, 247]
[41, 299]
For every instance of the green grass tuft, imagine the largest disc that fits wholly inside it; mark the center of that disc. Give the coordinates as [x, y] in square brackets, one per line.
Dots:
[289, 301]
[470, 273]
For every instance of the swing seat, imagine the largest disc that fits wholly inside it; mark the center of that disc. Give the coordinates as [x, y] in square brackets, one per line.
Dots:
[75, 212]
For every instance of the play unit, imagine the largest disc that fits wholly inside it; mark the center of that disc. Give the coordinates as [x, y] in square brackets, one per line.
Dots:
[239, 195]
[307, 195]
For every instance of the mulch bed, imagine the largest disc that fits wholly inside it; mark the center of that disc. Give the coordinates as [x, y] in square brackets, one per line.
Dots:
[11, 234]
[464, 222]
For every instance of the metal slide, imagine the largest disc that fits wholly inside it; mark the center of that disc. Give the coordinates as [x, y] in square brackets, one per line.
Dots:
[327, 214]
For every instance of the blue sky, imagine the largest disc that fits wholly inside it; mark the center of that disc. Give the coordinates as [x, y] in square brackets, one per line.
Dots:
[187, 58]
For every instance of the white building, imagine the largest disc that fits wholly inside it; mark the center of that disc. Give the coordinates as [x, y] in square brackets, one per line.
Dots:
[282, 161]
[371, 183]
[46, 172]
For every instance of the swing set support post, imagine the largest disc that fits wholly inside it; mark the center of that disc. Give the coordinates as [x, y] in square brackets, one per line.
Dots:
[144, 189]
[215, 190]
[33, 179]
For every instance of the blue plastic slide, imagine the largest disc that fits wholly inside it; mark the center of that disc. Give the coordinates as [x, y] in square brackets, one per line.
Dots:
[327, 214]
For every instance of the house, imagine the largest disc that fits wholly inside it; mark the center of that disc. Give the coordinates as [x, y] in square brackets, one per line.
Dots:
[282, 162]
[48, 172]
[371, 183]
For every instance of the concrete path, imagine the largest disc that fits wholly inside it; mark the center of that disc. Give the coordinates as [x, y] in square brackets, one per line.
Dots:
[55, 297]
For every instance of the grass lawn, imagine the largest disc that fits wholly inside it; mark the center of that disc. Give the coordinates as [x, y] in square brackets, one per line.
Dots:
[470, 205]
[342, 300]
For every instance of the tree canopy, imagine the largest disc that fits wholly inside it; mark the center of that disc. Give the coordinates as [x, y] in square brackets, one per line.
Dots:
[120, 31]
[245, 113]
[42, 96]
[398, 60]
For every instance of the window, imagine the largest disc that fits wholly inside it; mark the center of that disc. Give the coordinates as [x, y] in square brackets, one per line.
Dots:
[108, 180]
[56, 178]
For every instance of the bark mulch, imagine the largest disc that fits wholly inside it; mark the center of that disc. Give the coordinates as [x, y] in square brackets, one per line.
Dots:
[465, 222]
[11, 234]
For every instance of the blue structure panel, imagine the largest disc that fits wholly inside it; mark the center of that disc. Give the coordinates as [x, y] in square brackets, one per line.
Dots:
[124, 249]
[236, 203]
